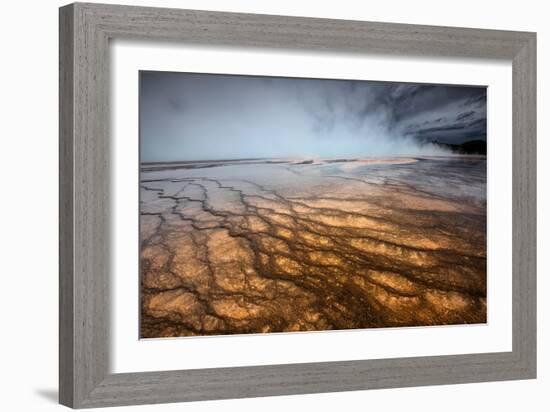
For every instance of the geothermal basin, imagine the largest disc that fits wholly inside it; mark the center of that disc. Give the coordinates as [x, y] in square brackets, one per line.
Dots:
[287, 245]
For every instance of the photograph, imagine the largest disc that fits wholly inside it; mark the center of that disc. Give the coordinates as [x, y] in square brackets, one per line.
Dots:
[280, 204]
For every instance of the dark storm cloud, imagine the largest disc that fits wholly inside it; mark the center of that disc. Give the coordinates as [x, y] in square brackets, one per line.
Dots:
[465, 115]
[194, 116]
[464, 109]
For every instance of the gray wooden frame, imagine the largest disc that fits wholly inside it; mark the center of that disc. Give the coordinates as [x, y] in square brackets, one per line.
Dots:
[85, 30]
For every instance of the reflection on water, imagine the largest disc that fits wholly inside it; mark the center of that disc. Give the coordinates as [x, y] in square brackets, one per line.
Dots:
[285, 245]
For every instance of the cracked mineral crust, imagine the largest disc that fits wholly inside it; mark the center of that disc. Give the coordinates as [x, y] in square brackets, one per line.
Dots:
[234, 247]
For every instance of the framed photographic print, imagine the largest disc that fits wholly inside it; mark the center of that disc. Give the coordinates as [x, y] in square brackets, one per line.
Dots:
[258, 205]
[283, 204]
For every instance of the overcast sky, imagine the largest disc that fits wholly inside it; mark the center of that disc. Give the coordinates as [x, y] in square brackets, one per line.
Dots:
[187, 116]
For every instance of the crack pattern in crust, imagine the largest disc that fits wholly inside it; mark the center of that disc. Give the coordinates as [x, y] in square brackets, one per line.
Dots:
[254, 247]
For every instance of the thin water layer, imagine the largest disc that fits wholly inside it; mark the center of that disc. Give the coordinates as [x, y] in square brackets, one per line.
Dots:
[283, 245]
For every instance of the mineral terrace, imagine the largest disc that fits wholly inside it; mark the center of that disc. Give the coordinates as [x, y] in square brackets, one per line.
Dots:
[284, 245]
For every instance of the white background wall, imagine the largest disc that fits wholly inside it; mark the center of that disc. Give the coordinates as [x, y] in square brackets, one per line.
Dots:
[28, 229]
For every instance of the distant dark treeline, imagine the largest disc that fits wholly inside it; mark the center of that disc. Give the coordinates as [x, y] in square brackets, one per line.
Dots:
[478, 147]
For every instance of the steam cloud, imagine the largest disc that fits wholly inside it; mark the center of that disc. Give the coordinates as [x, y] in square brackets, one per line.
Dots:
[187, 116]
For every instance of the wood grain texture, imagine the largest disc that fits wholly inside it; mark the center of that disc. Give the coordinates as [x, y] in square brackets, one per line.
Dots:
[85, 31]
[524, 205]
[66, 229]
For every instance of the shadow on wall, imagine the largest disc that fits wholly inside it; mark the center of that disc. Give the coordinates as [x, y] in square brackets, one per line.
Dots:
[50, 395]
